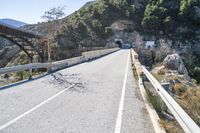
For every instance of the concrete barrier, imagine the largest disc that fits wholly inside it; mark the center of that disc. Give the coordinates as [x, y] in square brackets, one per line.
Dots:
[59, 64]
[66, 63]
[96, 54]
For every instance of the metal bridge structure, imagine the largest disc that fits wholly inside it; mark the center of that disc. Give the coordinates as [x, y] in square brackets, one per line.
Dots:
[28, 42]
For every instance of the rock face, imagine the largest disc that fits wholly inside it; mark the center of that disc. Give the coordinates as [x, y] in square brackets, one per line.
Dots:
[174, 62]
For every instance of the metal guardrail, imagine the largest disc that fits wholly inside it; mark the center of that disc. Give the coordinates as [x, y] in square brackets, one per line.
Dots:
[151, 111]
[59, 64]
[23, 67]
[188, 125]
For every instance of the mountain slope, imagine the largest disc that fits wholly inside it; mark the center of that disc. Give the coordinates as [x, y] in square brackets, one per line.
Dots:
[172, 24]
[12, 22]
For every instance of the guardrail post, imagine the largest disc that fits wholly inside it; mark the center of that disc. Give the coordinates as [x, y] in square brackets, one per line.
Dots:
[49, 69]
[30, 70]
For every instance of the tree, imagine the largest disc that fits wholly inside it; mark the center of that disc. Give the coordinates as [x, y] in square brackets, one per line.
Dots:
[51, 15]
[54, 13]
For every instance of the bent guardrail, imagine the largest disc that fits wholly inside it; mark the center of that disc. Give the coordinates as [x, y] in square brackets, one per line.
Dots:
[188, 125]
[59, 64]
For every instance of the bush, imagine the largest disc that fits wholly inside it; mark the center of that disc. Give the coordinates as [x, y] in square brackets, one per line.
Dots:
[108, 30]
[96, 24]
[196, 73]
[6, 76]
[152, 22]
[22, 75]
[179, 89]
[190, 101]
[132, 10]
[183, 6]
[155, 100]
[161, 72]
[188, 11]
[159, 14]
[168, 23]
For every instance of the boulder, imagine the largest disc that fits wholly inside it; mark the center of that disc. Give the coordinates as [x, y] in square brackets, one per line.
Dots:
[175, 62]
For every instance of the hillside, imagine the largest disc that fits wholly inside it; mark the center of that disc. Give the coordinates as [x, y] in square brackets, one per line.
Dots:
[172, 24]
[88, 28]
[12, 22]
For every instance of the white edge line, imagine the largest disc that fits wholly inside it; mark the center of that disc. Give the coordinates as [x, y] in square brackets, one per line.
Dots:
[121, 104]
[34, 108]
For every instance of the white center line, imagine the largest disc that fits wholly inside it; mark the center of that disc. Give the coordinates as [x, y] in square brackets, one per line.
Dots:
[34, 108]
[121, 104]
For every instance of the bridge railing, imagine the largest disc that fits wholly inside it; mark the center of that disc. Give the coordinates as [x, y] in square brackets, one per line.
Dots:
[185, 121]
[86, 56]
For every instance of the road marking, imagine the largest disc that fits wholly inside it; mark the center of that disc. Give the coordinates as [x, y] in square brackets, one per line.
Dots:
[121, 104]
[34, 108]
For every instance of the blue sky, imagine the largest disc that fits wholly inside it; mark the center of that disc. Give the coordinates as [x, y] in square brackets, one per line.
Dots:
[30, 11]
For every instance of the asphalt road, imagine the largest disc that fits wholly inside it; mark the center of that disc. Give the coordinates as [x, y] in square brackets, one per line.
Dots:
[99, 96]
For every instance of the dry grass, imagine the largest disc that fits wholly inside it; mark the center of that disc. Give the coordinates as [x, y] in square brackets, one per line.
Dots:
[154, 99]
[161, 72]
[158, 77]
[179, 89]
[190, 101]
[171, 126]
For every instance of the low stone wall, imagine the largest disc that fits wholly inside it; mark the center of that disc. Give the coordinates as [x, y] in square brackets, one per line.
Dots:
[95, 54]
[67, 62]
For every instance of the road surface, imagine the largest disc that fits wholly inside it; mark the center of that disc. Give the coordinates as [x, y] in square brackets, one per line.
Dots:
[99, 96]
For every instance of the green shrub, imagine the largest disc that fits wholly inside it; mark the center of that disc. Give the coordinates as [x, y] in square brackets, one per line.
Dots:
[22, 75]
[154, 15]
[152, 22]
[196, 73]
[155, 100]
[168, 23]
[183, 6]
[96, 24]
[188, 12]
[179, 89]
[108, 30]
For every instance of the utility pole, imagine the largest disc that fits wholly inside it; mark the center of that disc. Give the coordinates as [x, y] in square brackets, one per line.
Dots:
[49, 54]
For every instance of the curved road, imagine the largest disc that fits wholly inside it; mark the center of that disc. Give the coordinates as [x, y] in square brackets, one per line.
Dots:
[99, 96]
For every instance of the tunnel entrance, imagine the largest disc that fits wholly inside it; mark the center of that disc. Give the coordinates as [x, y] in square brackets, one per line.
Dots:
[118, 42]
